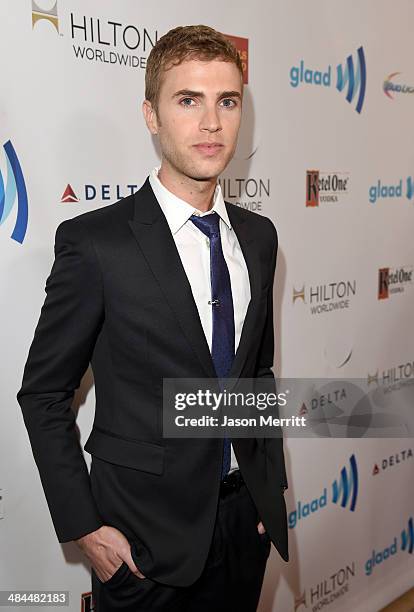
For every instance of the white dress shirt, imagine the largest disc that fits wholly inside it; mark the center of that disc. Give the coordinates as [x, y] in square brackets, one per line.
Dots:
[194, 249]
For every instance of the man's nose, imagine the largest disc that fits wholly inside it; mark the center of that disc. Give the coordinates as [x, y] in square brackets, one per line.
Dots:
[210, 120]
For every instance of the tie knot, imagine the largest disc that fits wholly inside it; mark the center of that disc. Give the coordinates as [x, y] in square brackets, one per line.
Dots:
[209, 224]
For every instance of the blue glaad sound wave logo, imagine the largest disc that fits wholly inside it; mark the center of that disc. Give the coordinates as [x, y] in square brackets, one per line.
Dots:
[344, 492]
[406, 544]
[351, 78]
[14, 188]
[407, 537]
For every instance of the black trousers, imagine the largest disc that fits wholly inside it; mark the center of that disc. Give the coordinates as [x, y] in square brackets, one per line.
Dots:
[231, 580]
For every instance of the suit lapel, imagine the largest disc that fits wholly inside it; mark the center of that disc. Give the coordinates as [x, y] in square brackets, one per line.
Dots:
[154, 238]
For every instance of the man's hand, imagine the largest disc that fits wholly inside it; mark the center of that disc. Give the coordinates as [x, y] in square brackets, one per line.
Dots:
[106, 548]
[260, 528]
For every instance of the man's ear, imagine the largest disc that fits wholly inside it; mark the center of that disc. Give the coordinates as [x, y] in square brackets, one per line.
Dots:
[150, 116]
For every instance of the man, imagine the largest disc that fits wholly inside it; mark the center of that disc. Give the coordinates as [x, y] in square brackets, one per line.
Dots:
[169, 282]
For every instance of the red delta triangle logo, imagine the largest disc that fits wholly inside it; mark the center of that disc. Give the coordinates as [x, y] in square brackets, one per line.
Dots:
[69, 195]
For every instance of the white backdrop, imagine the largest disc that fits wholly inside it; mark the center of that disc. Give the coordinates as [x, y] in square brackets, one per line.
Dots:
[70, 120]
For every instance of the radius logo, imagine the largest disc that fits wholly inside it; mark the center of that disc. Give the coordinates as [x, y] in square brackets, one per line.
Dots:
[351, 78]
[344, 492]
[14, 189]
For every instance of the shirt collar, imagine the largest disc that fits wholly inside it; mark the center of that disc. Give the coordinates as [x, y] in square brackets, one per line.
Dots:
[178, 211]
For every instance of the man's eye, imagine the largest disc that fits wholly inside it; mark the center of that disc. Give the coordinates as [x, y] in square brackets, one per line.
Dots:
[228, 103]
[187, 101]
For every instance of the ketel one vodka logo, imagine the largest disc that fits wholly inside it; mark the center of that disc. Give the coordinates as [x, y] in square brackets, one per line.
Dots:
[351, 78]
[344, 493]
[403, 543]
[394, 280]
[324, 187]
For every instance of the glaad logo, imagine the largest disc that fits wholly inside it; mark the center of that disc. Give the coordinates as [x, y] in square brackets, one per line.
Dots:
[15, 187]
[344, 493]
[380, 191]
[51, 16]
[389, 86]
[406, 544]
[393, 280]
[350, 79]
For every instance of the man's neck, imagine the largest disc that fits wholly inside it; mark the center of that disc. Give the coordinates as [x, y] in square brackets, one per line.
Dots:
[197, 193]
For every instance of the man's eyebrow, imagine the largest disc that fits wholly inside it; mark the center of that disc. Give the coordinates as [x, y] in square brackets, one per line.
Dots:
[199, 94]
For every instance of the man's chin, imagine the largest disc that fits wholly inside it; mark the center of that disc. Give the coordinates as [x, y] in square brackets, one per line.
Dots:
[207, 173]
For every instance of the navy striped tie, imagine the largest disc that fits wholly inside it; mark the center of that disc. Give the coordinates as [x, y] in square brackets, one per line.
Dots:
[222, 348]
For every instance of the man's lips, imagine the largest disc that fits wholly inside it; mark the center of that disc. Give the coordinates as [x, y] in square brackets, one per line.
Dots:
[209, 148]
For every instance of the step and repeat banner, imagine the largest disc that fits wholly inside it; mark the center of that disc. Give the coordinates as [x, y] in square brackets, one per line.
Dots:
[326, 152]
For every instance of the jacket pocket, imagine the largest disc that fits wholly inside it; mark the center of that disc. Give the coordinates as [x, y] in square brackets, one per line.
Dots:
[128, 452]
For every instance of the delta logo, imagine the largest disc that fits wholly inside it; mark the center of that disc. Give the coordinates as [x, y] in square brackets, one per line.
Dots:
[394, 280]
[13, 193]
[392, 461]
[402, 543]
[327, 590]
[351, 78]
[343, 492]
[242, 46]
[403, 189]
[98, 40]
[324, 187]
[102, 193]
[327, 297]
[390, 88]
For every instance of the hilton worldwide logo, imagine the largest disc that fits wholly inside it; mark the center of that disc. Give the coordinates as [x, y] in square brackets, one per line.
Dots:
[328, 590]
[393, 377]
[51, 15]
[95, 39]
[327, 297]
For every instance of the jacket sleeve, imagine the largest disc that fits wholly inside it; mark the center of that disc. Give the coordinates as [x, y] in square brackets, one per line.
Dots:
[267, 344]
[63, 342]
[267, 382]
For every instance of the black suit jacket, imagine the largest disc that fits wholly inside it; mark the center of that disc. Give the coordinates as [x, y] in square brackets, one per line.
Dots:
[118, 297]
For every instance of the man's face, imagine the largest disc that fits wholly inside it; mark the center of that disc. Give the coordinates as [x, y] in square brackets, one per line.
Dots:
[198, 119]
